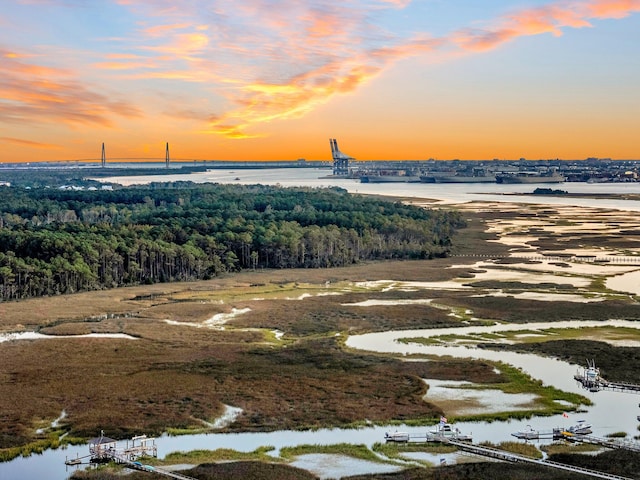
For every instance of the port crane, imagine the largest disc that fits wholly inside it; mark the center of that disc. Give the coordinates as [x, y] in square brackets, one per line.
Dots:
[340, 160]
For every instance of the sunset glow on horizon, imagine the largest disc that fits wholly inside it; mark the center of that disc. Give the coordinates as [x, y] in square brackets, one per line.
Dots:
[263, 80]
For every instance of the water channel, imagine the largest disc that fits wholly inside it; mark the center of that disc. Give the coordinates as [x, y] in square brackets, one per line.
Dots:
[611, 412]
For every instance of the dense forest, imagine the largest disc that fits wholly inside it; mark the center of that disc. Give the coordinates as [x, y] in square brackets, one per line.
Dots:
[56, 241]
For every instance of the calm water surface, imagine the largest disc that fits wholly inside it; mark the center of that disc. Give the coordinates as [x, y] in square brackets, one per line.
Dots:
[448, 193]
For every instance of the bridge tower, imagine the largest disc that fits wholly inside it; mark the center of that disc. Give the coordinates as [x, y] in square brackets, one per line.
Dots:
[103, 160]
[340, 160]
[166, 156]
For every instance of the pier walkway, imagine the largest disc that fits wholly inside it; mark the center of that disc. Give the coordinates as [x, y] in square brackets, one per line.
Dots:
[148, 468]
[591, 380]
[517, 458]
[104, 450]
[598, 384]
[617, 444]
[463, 443]
[617, 259]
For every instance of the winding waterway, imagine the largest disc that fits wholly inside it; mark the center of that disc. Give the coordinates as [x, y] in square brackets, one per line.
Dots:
[610, 412]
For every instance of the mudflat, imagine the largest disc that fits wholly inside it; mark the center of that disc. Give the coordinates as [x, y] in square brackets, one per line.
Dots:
[270, 342]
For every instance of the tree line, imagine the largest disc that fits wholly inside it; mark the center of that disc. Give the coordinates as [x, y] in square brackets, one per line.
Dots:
[54, 241]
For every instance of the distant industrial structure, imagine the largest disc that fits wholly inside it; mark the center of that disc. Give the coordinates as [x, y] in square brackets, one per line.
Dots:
[541, 171]
[340, 160]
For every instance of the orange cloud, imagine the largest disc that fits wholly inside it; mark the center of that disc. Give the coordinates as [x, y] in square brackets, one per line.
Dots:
[262, 102]
[551, 18]
[260, 68]
[29, 143]
[296, 95]
[613, 8]
[164, 30]
[37, 94]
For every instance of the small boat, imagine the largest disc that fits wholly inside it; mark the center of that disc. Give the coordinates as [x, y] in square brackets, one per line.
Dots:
[447, 430]
[527, 434]
[400, 437]
[580, 428]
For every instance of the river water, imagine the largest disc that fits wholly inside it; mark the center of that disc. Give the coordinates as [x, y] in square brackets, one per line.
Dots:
[444, 193]
[611, 412]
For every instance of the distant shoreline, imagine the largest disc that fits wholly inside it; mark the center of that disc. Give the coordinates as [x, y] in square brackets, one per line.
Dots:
[611, 196]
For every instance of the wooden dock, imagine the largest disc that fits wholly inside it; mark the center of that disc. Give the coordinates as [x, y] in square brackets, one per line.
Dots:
[591, 380]
[463, 443]
[517, 458]
[104, 450]
[613, 443]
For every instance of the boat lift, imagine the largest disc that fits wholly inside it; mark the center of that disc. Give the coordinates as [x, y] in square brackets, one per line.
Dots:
[591, 380]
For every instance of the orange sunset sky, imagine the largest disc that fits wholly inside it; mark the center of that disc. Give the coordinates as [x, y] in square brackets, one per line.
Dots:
[274, 80]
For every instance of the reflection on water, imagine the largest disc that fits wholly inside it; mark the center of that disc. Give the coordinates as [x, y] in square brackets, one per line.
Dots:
[337, 466]
[627, 282]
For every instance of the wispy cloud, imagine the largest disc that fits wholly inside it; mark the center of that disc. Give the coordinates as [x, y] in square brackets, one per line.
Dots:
[551, 18]
[32, 93]
[29, 143]
[352, 59]
[261, 63]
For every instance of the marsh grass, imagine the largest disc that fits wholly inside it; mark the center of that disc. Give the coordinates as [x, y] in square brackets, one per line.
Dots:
[564, 447]
[219, 455]
[534, 336]
[361, 452]
[395, 450]
[52, 439]
[520, 448]
[173, 375]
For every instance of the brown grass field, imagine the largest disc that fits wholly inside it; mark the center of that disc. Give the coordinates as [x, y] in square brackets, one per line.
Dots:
[180, 376]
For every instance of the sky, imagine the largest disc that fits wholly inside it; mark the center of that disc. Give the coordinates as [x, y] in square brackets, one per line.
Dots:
[275, 80]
